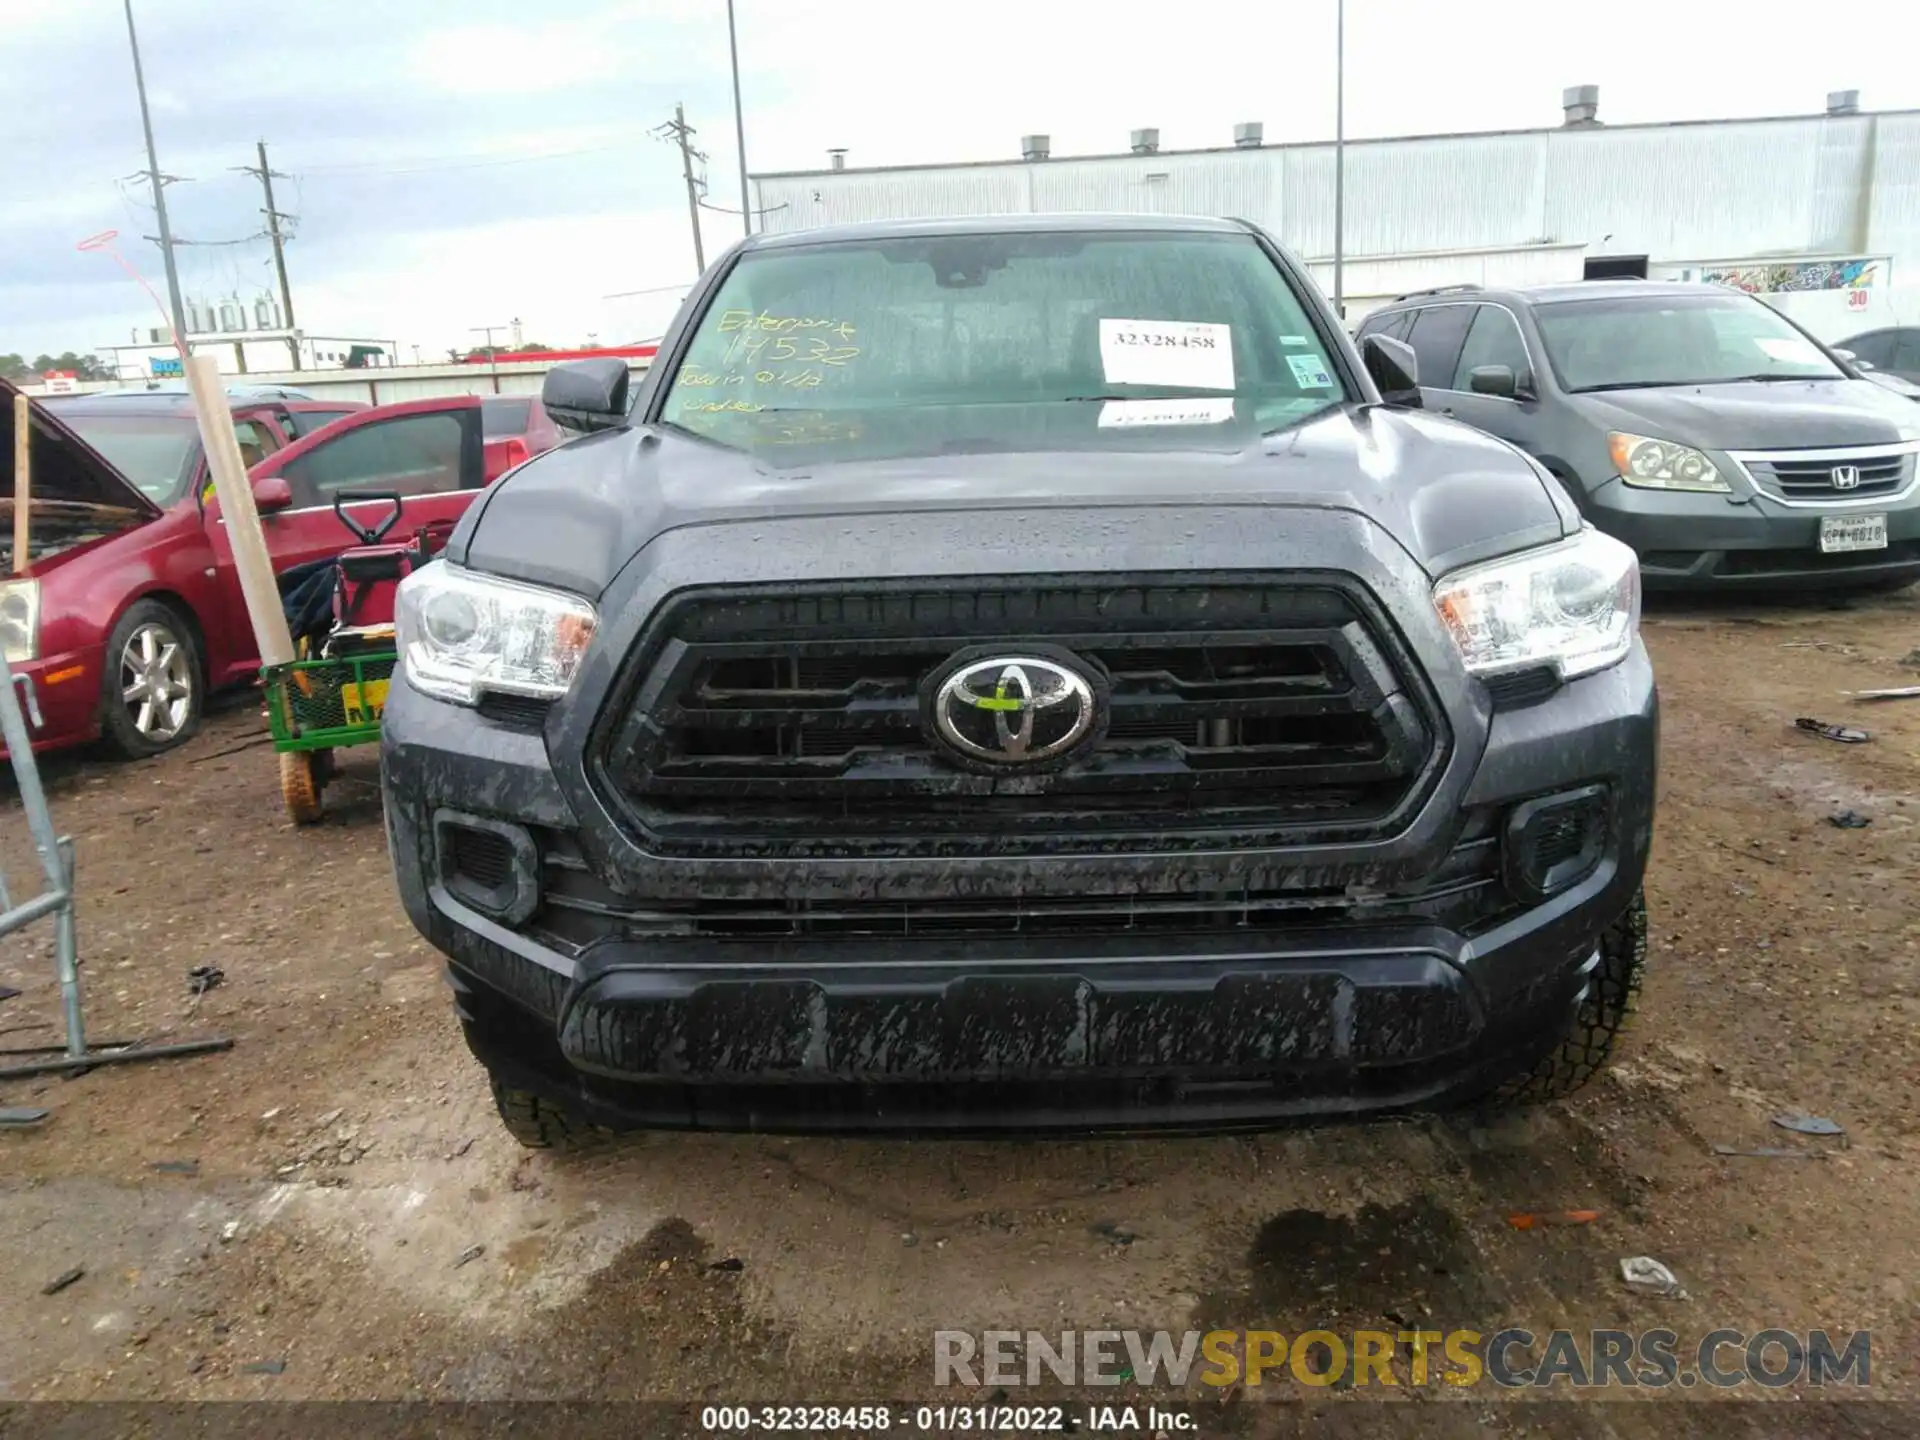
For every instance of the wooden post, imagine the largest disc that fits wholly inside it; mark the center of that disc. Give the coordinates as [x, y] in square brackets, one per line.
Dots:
[22, 480]
[237, 511]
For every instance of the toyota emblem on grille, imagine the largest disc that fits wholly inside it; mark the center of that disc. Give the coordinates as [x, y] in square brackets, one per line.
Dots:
[1846, 477]
[1014, 709]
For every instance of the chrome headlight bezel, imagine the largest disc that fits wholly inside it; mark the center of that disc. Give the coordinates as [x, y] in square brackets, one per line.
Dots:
[1646, 462]
[20, 619]
[1573, 605]
[463, 635]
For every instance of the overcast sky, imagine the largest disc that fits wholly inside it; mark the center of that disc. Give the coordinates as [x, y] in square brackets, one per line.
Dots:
[458, 163]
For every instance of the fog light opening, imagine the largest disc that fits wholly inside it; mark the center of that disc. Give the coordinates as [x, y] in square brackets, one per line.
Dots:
[1554, 842]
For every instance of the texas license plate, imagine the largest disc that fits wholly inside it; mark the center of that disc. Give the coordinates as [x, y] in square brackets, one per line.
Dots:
[1839, 533]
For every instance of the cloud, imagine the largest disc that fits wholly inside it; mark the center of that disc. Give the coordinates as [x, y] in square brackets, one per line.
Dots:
[453, 159]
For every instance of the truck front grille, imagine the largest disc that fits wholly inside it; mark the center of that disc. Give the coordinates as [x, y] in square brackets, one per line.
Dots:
[757, 722]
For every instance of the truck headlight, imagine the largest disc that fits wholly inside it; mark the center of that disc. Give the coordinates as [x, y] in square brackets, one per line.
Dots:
[1574, 605]
[20, 620]
[461, 635]
[1662, 465]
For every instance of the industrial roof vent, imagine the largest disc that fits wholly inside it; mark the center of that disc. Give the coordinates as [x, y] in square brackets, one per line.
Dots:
[1249, 136]
[1146, 142]
[837, 158]
[1582, 104]
[1843, 102]
[1035, 147]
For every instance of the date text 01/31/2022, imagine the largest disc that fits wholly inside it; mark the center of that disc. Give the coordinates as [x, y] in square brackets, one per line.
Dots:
[943, 1419]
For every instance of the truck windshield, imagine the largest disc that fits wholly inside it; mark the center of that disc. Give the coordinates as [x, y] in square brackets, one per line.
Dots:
[1045, 319]
[1623, 343]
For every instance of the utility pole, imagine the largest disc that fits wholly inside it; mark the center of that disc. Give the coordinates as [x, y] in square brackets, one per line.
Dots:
[739, 123]
[179, 314]
[683, 133]
[266, 175]
[1339, 155]
[493, 365]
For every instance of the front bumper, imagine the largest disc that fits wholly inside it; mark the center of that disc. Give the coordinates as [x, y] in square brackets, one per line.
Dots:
[1748, 541]
[1218, 1025]
[66, 690]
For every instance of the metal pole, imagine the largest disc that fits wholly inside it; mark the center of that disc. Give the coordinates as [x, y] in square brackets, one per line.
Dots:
[493, 363]
[739, 124]
[179, 313]
[279, 255]
[693, 193]
[56, 856]
[1339, 155]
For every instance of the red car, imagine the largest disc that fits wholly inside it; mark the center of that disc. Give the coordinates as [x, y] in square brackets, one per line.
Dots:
[129, 611]
[517, 428]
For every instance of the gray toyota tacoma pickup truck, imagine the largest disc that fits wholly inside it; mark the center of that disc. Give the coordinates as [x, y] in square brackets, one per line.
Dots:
[1021, 673]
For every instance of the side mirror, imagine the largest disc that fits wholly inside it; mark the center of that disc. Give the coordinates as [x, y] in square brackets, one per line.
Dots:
[1493, 380]
[1849, 357]
[1393, 368]
[587, 394]
[271, 493]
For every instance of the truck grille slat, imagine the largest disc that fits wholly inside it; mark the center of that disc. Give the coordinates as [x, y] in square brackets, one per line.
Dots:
[794, 720]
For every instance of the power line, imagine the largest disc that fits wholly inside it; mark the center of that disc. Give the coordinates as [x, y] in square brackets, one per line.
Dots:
[451, 162]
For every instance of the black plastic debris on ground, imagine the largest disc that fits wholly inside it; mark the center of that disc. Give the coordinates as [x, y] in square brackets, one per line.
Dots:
[1850, 820]
[7, 992]
[176, 1167]
[265, 1367]
[731, 1264]
[1845, 734]
[469, 1255]
[18, 1117]
[203, 978]
[62, 1280]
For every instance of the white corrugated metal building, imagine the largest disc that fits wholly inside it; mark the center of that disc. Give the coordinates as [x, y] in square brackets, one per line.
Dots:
[1817, 203]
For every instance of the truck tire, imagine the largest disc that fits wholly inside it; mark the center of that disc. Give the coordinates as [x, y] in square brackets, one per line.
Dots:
[1604, 1016]
[542, 1125]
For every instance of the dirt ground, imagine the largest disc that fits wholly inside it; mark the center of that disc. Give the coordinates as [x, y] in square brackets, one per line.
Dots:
[287, 1220]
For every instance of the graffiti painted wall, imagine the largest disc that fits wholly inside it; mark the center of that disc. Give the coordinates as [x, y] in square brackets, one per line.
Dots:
[1792, 276]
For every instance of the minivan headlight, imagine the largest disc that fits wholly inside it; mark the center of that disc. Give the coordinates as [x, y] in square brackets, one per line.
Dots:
[1653, 464]
[1574, 605]
[462, 634]
[20, 620]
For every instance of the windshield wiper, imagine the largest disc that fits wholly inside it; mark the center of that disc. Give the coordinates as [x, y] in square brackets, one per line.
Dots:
[1765, 377]
[1633, 385]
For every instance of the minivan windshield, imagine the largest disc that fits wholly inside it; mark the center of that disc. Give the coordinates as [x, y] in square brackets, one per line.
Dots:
[1625, 342]
[813, 339]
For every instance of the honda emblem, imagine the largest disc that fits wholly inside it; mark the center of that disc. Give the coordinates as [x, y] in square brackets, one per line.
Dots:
[1846, 477]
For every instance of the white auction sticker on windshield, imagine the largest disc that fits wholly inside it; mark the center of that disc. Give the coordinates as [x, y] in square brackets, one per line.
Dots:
[1119, 414]
[1789, 351]
[1309, 372]
[1192, 354]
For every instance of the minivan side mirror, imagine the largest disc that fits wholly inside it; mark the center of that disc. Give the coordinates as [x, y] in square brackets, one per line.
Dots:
[1392, 366]
[587, 394]
[1493, 380]
[1848, 356]
[271, 493]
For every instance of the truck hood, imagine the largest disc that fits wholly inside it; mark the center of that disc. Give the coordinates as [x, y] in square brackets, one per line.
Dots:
[1448, 495]
[1770, 415]
[75, 495]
